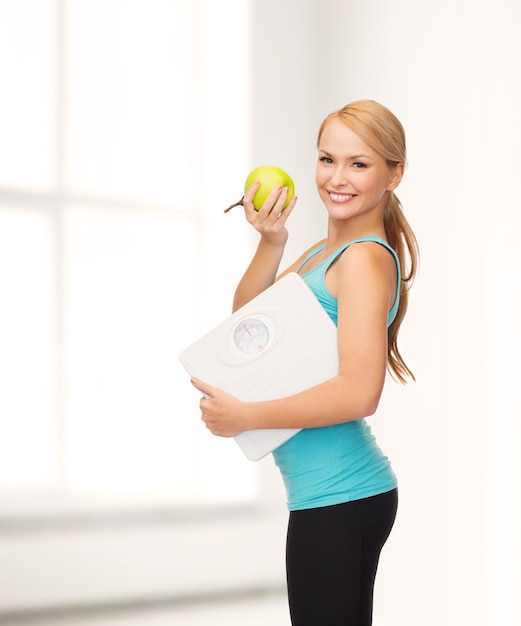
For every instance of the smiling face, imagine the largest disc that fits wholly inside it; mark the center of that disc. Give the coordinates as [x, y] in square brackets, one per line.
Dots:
[353, 180]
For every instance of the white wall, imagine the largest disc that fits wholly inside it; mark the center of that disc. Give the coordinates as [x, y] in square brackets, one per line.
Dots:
[285, 101]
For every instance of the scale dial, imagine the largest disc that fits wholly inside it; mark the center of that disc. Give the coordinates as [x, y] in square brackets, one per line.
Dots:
[251, 336]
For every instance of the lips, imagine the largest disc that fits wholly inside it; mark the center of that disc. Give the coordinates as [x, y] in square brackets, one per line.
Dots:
[340, 197]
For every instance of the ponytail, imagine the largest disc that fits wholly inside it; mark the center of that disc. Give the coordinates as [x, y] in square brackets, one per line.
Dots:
[402, 239]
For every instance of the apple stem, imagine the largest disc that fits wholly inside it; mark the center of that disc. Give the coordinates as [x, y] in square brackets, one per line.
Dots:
[232, 205]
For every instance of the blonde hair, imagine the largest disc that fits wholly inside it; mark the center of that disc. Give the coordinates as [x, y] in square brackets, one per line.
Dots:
[382, 131]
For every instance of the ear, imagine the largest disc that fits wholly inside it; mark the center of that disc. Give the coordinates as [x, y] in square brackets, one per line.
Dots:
[396, 175]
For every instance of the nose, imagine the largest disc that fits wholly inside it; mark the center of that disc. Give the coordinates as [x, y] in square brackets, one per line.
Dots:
[339, 177]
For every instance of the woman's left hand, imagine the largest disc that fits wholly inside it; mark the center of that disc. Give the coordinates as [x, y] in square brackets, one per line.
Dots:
[220, 411]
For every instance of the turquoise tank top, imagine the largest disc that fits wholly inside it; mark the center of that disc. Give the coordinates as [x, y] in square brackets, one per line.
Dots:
[339, 463]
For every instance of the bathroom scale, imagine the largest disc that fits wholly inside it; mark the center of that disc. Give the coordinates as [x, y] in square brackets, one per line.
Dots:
[276, 345]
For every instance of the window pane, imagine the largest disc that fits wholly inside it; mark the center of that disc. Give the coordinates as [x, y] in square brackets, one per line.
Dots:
[27, 429]
[131, 308]
[27, 71]
[149, 92]
[125, 322]
[131, 99]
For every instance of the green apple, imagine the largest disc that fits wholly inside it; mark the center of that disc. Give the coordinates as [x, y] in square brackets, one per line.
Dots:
[269, 177]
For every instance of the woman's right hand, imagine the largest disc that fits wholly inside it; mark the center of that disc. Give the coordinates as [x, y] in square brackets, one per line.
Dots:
[270, 220]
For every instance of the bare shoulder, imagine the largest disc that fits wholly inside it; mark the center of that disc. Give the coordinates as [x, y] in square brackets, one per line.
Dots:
[365, 264]
[370, 254]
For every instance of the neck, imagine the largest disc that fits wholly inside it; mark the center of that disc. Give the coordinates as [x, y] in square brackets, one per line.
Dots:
[340, 232]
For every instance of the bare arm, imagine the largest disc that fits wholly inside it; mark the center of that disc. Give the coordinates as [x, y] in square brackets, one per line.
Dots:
[270, 222]
[364, 281]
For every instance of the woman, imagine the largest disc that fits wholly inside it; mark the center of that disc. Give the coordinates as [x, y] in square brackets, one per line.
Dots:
[342, 492]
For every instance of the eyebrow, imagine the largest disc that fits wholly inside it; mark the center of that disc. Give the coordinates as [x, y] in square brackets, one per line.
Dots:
[355, 156]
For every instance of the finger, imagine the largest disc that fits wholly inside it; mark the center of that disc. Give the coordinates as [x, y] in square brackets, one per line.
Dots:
[277, 196]
[278, 208]
[279, 214]
[285, 213]
[203, 387]
[247, 200]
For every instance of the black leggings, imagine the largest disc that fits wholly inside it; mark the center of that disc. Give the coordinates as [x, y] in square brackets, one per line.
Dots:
[332, 555]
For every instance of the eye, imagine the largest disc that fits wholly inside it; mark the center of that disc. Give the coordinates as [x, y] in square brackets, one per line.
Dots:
[358, 165]
[325, 159]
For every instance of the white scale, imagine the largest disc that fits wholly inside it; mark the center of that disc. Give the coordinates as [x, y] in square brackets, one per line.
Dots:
[278, 344]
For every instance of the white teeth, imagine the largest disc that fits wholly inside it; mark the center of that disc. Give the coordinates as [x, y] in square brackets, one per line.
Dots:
[340, 197]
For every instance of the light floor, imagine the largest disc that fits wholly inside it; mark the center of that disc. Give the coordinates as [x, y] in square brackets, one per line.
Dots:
[269, 609]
